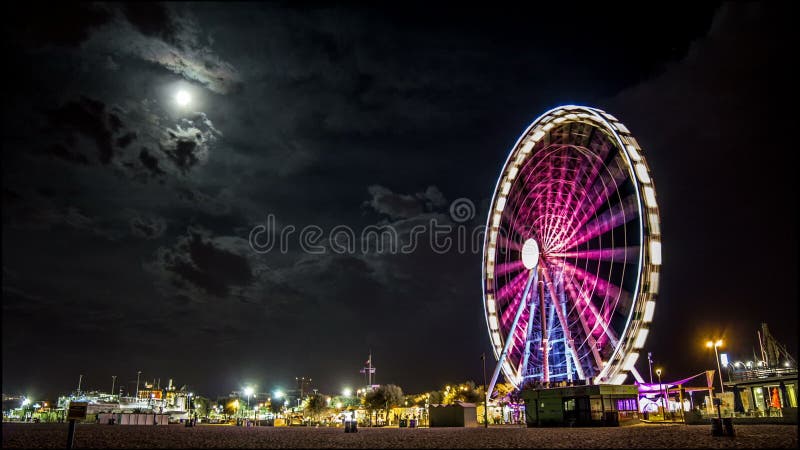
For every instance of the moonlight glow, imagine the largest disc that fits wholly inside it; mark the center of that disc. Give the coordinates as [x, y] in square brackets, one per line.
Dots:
[183, 98]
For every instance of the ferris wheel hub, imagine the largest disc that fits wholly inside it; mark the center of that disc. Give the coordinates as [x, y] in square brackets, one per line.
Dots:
[530, 254]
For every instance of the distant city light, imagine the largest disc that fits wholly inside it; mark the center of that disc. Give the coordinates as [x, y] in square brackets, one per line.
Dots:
[347, 392]
[277, 394]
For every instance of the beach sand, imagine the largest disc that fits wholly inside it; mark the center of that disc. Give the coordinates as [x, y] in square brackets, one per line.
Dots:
[23, 435]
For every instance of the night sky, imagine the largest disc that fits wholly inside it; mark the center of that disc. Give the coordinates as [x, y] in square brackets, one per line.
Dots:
[126, 217]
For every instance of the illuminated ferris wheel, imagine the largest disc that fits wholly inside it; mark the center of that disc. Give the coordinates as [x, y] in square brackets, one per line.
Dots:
[572, 252]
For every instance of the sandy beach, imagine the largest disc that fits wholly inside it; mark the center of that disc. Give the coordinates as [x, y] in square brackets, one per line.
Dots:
[18, 435]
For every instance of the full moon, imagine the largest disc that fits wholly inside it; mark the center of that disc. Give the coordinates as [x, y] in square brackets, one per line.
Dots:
[182, 98]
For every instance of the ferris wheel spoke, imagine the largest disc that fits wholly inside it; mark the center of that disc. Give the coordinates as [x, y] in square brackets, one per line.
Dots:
[601, 328]
[603, 287]
[504, 241]
[508, 267]
[511, 287]
[598, 195]
[619, 214]
[587, 332]
[515, 287]
[619, 254]
[554, 232]
[600, 324]
[593, 169]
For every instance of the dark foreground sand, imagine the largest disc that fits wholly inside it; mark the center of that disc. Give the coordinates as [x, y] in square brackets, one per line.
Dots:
[18, 435]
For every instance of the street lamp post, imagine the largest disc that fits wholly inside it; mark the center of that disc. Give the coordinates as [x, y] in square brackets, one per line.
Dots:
[113, 382]
[248, 392]
[189, 406]
[137, 384]
[717, 344]
[486, 394]
[278, 395]
[663, 398]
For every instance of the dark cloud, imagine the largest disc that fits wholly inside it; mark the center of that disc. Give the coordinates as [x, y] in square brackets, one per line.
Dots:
[89, 118]
[126, 139]
[148, 227]
[167, 35]
[151, 19]
[205, 268]
[150, 162]
[402, 206]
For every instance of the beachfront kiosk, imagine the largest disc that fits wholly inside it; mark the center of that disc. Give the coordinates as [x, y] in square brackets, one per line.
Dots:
[589, 405]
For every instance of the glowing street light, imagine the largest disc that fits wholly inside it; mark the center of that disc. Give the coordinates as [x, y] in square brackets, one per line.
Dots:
[248, 392]
[663, 398]
[717, 344]
[347, 392]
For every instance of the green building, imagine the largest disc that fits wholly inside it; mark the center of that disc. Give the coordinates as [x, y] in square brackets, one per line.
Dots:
[590, 405]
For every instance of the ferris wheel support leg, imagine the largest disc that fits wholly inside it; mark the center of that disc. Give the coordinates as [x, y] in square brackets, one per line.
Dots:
[545, 348]
[636, 375]
[502, 358]
[562, 320]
